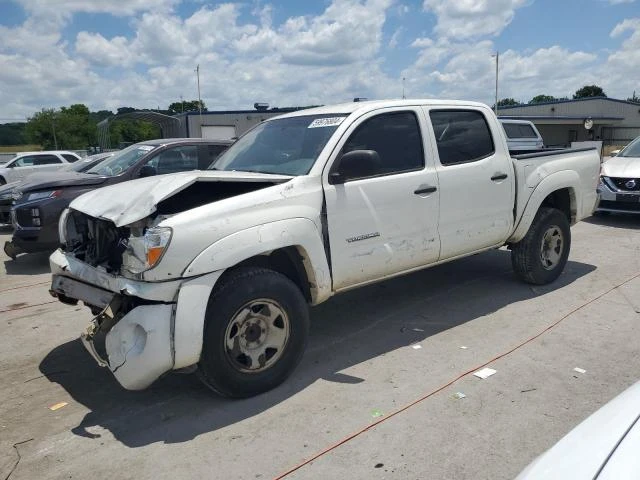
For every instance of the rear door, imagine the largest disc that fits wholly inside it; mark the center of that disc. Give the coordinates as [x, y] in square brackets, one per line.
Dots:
[385, 221]
[475, 178]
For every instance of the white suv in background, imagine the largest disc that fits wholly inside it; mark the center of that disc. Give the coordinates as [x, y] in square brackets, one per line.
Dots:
[25, 163]
[522, 135]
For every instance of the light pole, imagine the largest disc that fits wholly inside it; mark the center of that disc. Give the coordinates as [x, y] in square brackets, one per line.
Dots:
[497, 55]
[199, 99]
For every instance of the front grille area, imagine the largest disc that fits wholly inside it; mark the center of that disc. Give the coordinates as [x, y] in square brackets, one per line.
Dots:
[28, 217]
[96, 242]
[621, 184]
[626, 206]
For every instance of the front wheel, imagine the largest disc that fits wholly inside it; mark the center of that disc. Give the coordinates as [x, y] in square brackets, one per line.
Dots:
[539, 258]
[256, 329]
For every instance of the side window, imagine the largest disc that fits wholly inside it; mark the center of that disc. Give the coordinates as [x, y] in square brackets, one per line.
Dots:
[211, 154]
[395, 137]
[461, 135]
[46, 160]
[177, 159]
[70, 158]
[24, 161]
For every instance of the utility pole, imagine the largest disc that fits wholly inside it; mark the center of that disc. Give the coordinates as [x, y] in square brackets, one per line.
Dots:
[182, 102]
[199, 99]
[403, 95]
[53, 127]
[497, 55]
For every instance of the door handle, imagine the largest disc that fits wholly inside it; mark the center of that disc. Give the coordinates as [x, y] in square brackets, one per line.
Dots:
[499, 176]
[423, 190]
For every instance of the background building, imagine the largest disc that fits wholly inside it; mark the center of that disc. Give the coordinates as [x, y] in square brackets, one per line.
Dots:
[615, 122]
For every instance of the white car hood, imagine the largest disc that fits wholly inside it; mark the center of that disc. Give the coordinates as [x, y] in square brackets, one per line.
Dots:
[586, 448]
[131, 201]
[622, 167]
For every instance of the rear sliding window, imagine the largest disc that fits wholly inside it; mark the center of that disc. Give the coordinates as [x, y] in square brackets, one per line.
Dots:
[519, 130]
[461, 135]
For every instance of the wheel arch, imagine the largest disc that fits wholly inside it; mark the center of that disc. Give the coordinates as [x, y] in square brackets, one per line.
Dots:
[558, 190]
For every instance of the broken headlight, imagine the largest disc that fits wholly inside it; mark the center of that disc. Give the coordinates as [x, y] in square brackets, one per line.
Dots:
[145, 252]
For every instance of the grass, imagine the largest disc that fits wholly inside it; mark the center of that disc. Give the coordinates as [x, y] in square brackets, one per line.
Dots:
[19, 148]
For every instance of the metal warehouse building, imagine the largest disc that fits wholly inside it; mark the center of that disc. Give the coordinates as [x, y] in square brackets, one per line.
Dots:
[225, 125]
[615, 122]
[216, 125]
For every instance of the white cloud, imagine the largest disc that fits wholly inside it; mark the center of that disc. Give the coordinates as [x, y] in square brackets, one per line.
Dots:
[618, 2]
[120, 8]
[622, 66]
[472, 18]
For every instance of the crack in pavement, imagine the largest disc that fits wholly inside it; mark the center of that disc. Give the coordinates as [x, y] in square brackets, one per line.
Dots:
[15, 465]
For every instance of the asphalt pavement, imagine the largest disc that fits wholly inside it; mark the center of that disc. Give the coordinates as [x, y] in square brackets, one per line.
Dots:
[385, 389]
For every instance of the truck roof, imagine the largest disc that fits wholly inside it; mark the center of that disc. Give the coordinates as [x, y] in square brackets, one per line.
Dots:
[370, 105]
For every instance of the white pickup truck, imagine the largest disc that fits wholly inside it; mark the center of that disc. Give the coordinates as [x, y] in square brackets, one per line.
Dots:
[214, 270]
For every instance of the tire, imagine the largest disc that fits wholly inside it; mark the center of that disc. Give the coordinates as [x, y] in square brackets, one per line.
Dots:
[256, 329]
[2, 181]
[540, 257]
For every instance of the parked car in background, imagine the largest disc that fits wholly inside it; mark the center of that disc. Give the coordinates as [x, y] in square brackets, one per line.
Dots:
[215, 269]
[605, 446]
[25, 163]
[38, 205]
[619, 186]
[9, 192]
[522, 136]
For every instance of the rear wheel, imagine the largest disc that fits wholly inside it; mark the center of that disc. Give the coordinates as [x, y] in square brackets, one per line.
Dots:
[2, 181]
[540, 257]
[256, 329]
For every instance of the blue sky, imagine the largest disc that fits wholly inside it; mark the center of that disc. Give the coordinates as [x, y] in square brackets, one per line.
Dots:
[141, 53]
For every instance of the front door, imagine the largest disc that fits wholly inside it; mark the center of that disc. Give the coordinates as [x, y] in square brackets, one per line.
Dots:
[385, 220]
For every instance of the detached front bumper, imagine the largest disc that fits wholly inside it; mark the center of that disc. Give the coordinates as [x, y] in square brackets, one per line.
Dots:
[151, 327]
[138, 343]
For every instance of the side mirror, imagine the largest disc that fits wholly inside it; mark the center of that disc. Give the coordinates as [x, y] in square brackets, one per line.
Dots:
[147, 171]
[353, 165]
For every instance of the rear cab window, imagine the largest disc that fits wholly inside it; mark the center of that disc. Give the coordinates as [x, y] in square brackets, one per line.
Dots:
[519, 130]
[462, 136]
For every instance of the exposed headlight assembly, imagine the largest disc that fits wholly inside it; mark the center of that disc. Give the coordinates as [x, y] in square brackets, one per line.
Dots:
[156, 241]
[145, 252]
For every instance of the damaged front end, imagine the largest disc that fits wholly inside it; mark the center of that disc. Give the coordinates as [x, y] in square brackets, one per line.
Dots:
[101, 265]
[128, 251]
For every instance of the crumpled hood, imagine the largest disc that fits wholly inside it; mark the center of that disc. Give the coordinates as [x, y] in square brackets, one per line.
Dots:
[53, 180]
[131, 201]
[622, 167]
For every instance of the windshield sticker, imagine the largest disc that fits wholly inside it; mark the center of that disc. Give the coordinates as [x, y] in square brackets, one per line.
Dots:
[146, 148]
[326, 122]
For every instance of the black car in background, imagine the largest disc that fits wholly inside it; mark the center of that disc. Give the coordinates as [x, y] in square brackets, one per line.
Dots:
[38, 206]
[11, 190]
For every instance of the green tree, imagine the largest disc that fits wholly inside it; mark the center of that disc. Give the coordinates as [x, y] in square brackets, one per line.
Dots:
[589, 91]
[542, 99]
[67, 128]
[127, 130]
[13, 133]
[186, 106]
[507, 102]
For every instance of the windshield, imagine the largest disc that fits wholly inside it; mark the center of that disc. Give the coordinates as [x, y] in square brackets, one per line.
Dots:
[631, 150]
[121, 161]
[287, 146]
